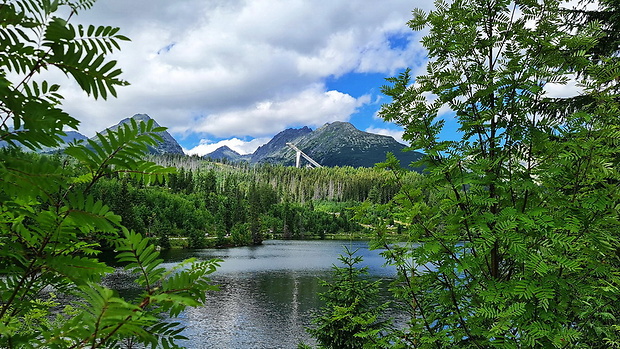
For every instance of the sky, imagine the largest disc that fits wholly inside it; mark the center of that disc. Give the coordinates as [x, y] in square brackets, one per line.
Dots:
[237, 72]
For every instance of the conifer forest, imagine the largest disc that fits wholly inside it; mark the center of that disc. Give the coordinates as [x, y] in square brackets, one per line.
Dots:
[508, 237]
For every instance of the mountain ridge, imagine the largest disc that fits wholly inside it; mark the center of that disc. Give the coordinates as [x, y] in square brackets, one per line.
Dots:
[169, 145]
[333, 144]
[264, 153]
[224, 152]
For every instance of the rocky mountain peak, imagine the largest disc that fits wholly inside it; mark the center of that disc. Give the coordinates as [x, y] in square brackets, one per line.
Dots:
[169, 144]
[225, 152]
[338, 126]
[333, 144]
[278, 143]
[226, 148]
[140, 117]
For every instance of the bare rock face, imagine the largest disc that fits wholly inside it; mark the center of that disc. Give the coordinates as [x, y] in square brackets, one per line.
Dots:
[169, 144]
[70, 136]
[276, 149]
[334, 144]
[224, 152]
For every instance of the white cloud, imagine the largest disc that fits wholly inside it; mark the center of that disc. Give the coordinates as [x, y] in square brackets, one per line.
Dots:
[396, 134]
[563, 90]
[236, 144]
[209, 66]
[311, 107]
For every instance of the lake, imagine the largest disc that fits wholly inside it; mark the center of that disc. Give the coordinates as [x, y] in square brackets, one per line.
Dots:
[268, 293]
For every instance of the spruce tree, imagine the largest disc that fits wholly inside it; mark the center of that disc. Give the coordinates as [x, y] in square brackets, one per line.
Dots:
[352, 315]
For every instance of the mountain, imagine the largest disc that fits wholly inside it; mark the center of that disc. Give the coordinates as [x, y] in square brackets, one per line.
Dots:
[341, 144]
[169, 144]
[224, 152]
[273, 151]
[333, 144]
[70, 137]
[73, 136]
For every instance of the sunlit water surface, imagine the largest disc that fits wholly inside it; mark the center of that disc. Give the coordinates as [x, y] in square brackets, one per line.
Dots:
[268, 294]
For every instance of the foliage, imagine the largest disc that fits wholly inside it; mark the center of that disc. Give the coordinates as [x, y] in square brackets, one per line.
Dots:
[351, 317]
[607, 14]
[206, 203]
[34, 39]
[514, 230]
[51, 225]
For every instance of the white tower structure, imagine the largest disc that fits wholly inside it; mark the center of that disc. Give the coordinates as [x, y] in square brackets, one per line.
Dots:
[300, 154]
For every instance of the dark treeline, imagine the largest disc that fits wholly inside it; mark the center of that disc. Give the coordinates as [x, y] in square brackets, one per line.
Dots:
[209, 204]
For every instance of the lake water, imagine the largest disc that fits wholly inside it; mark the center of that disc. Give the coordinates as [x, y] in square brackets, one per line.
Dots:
[268, 293]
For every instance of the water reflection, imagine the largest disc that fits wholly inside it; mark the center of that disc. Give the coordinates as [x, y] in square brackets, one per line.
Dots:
[268, 293]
